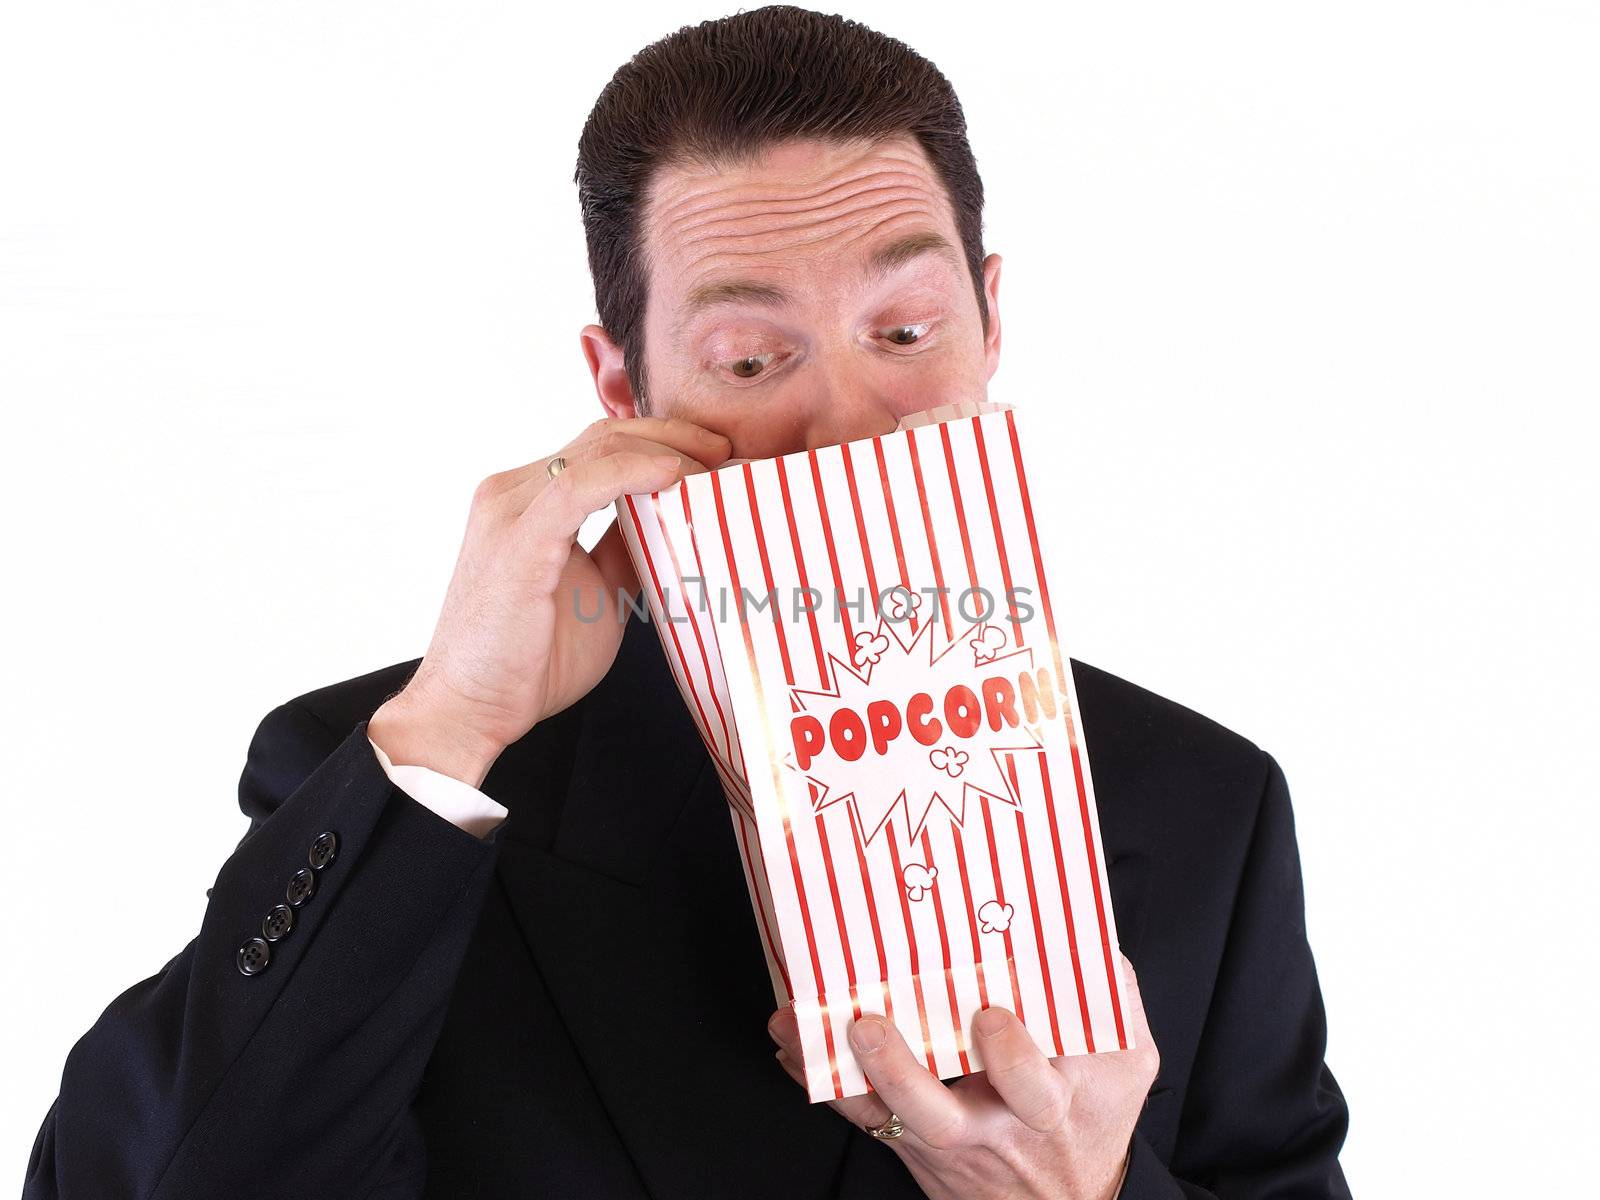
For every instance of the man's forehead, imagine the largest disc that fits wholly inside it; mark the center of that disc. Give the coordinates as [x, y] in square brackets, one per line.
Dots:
[798, 199]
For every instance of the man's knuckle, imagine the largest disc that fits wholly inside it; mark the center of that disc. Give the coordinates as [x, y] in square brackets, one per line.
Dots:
[950, 1134]
[489, 488]
[1046, 1112]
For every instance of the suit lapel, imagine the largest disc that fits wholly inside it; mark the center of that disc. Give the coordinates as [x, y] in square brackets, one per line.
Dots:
[632, 900]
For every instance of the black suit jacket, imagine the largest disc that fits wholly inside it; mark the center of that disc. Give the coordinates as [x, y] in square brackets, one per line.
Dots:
[577, 1005]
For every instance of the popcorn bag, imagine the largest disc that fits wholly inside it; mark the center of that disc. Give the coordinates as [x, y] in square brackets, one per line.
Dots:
[864, 635]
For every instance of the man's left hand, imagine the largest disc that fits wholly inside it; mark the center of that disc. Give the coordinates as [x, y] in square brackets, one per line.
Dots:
[1026, 1126]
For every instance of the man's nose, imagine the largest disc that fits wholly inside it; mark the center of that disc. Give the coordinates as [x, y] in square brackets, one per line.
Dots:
[845, 408]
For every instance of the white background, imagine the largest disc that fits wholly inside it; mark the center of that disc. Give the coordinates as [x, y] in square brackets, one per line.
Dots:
[1305, 295]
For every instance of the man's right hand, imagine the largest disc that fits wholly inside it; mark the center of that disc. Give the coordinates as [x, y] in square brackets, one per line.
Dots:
[510, 648]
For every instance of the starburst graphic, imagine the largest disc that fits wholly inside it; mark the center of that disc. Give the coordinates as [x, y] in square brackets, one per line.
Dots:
[913, 727]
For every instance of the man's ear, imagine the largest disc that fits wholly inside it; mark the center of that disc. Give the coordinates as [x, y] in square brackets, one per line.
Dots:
[991, 293]
[605, 361]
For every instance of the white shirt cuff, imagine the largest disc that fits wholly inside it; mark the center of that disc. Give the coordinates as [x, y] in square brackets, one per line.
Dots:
[463, 805]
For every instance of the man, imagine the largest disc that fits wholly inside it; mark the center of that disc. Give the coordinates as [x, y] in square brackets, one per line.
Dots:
[488, 933]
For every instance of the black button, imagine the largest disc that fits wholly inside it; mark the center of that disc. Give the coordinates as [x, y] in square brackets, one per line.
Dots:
[277, 923]
[301, 884]
[323, 849]
[254, 956]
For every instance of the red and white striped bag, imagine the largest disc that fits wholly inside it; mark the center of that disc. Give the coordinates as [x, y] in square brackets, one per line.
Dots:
[907, 778]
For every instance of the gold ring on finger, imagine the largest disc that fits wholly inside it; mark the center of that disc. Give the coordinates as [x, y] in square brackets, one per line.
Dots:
[890, 1129]
[555, 466]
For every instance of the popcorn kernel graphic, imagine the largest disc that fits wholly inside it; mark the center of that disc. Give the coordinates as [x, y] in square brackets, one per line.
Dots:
[902, 605]
[870, 647]
[990, 640]
[995, 917]
[918, 880]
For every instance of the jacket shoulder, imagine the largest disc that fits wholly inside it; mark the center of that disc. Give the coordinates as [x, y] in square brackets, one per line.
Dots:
[1130, 712]
[1165, 761]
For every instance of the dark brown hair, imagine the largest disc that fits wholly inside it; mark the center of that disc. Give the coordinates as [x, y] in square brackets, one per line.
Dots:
[726, 90]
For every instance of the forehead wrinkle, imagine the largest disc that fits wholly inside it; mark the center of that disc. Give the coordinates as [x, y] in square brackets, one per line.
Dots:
[802, 234]
[765, 221]
[710, 201]
[692, 178]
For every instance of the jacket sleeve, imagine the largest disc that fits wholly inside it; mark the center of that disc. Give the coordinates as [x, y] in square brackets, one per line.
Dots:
[282, 1067]
[457, 801]
[1262, 1118]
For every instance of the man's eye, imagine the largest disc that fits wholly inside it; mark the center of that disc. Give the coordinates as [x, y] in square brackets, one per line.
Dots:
[749, 368]
[906, 335]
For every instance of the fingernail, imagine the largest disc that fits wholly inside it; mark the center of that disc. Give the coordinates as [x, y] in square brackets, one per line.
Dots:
[710, 438]
[989, 1022]
[867, 1034]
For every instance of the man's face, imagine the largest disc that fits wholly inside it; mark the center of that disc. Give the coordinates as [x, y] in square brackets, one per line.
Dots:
[813, 298]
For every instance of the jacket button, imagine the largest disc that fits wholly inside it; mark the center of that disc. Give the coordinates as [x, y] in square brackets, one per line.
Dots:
[253, 956]
[301, 884]
[277, 923]
[323, 849]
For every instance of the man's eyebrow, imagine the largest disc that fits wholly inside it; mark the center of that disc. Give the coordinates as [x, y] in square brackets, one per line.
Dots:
[734, 291]
[893, 255]
[890, 256]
